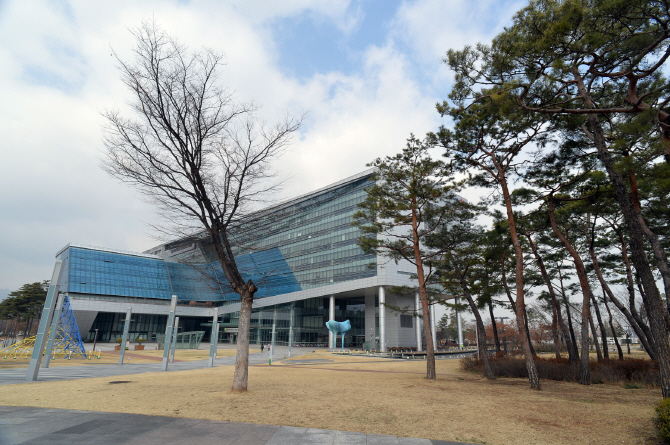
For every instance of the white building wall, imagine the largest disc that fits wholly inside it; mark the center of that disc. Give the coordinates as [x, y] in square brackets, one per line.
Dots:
[407, 336]
[85, 320]
[392, 321]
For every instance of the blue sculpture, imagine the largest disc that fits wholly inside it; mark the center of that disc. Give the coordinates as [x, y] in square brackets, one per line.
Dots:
[338, 326]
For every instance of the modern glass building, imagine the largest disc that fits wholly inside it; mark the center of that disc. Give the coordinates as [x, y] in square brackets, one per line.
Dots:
[302, 254]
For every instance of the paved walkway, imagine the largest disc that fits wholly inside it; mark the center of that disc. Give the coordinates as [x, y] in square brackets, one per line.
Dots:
[51, 374]
[36, 426]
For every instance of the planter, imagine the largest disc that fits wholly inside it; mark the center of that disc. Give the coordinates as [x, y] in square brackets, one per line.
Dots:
[117, 347]
[139, 347]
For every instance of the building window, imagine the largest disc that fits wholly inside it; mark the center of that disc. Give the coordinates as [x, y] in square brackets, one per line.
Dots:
[406, 321]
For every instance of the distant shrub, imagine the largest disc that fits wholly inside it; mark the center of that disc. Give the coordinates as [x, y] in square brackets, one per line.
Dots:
[663, 420]
[639, 371]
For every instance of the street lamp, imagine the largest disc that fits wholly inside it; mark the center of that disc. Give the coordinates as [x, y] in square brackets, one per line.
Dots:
[95, 339]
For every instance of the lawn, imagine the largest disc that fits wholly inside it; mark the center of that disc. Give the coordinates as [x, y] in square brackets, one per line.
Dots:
[322, 390]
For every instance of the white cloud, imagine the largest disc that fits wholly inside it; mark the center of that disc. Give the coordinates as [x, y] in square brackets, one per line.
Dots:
[431, 27]
[58, 76]
[354, 119]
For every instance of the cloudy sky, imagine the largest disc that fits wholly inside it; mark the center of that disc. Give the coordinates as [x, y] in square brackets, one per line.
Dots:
[367, 73]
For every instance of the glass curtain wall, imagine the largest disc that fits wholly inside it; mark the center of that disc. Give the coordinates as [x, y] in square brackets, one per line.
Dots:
[110, 327]
[308, 321]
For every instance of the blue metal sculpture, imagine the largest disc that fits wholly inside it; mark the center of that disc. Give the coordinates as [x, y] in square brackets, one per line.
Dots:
[338, 326]
[68, 339]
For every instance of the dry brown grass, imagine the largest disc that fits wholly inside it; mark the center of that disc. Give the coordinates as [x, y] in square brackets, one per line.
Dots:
[373, 396]
[108, 357]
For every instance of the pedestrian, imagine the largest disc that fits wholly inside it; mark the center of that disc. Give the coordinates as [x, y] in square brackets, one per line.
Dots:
[262, 346]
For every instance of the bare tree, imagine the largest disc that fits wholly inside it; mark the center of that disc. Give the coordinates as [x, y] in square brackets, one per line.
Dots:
[198, 154]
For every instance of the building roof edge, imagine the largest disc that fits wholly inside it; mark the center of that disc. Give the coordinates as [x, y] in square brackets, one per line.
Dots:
[106, 249]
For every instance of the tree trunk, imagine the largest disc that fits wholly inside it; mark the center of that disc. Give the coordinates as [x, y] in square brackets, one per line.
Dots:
[569, 315]
[659, 252]
[584, 367]
[642, 330]
[430, 347]
[29, 324]
[494, 325]
[554, 333]
[634, 319]
[423, 294]
[616, 340]
[504, 282]
[603, 332]
[594, 334]
[655, 307]
[573, 356]
[589, 233]
[241, 375]
[481, 331]
[630, 286]
[653, 303]
[533, 376]
[525, 323]
[514, 308]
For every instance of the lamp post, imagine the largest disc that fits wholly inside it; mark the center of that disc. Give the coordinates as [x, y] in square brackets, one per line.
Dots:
[95, 339]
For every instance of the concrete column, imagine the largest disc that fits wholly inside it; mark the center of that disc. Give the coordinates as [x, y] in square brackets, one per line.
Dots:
[168, 334]
[54, 331]
[290, 328]
[173, 343]
[126, 326]
[459, 325]
[382, 319]
[370, 320]
[417, 320]
[45, 323]
[214, 340]
[331, 316]
[432, 327]
[272, 342]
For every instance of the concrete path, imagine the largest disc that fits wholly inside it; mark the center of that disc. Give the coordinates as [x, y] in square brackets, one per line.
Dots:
[36, 426]
[51, 374]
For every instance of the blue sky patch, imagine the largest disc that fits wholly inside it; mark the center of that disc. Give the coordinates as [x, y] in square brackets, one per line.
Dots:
[310, 44]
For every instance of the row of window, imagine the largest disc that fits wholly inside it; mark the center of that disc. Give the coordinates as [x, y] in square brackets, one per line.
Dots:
[273, 224]
[299, 248]
[120, 291]
[83, 271]
[301, 216]
[329, 271]
[332, 254]
[343, 219]
[309, 210]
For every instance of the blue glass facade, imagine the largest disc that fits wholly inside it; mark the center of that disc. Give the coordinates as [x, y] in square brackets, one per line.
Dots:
[303, 244]
[100, 272]
[108, 273]
[315, 236]
[206, 282]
